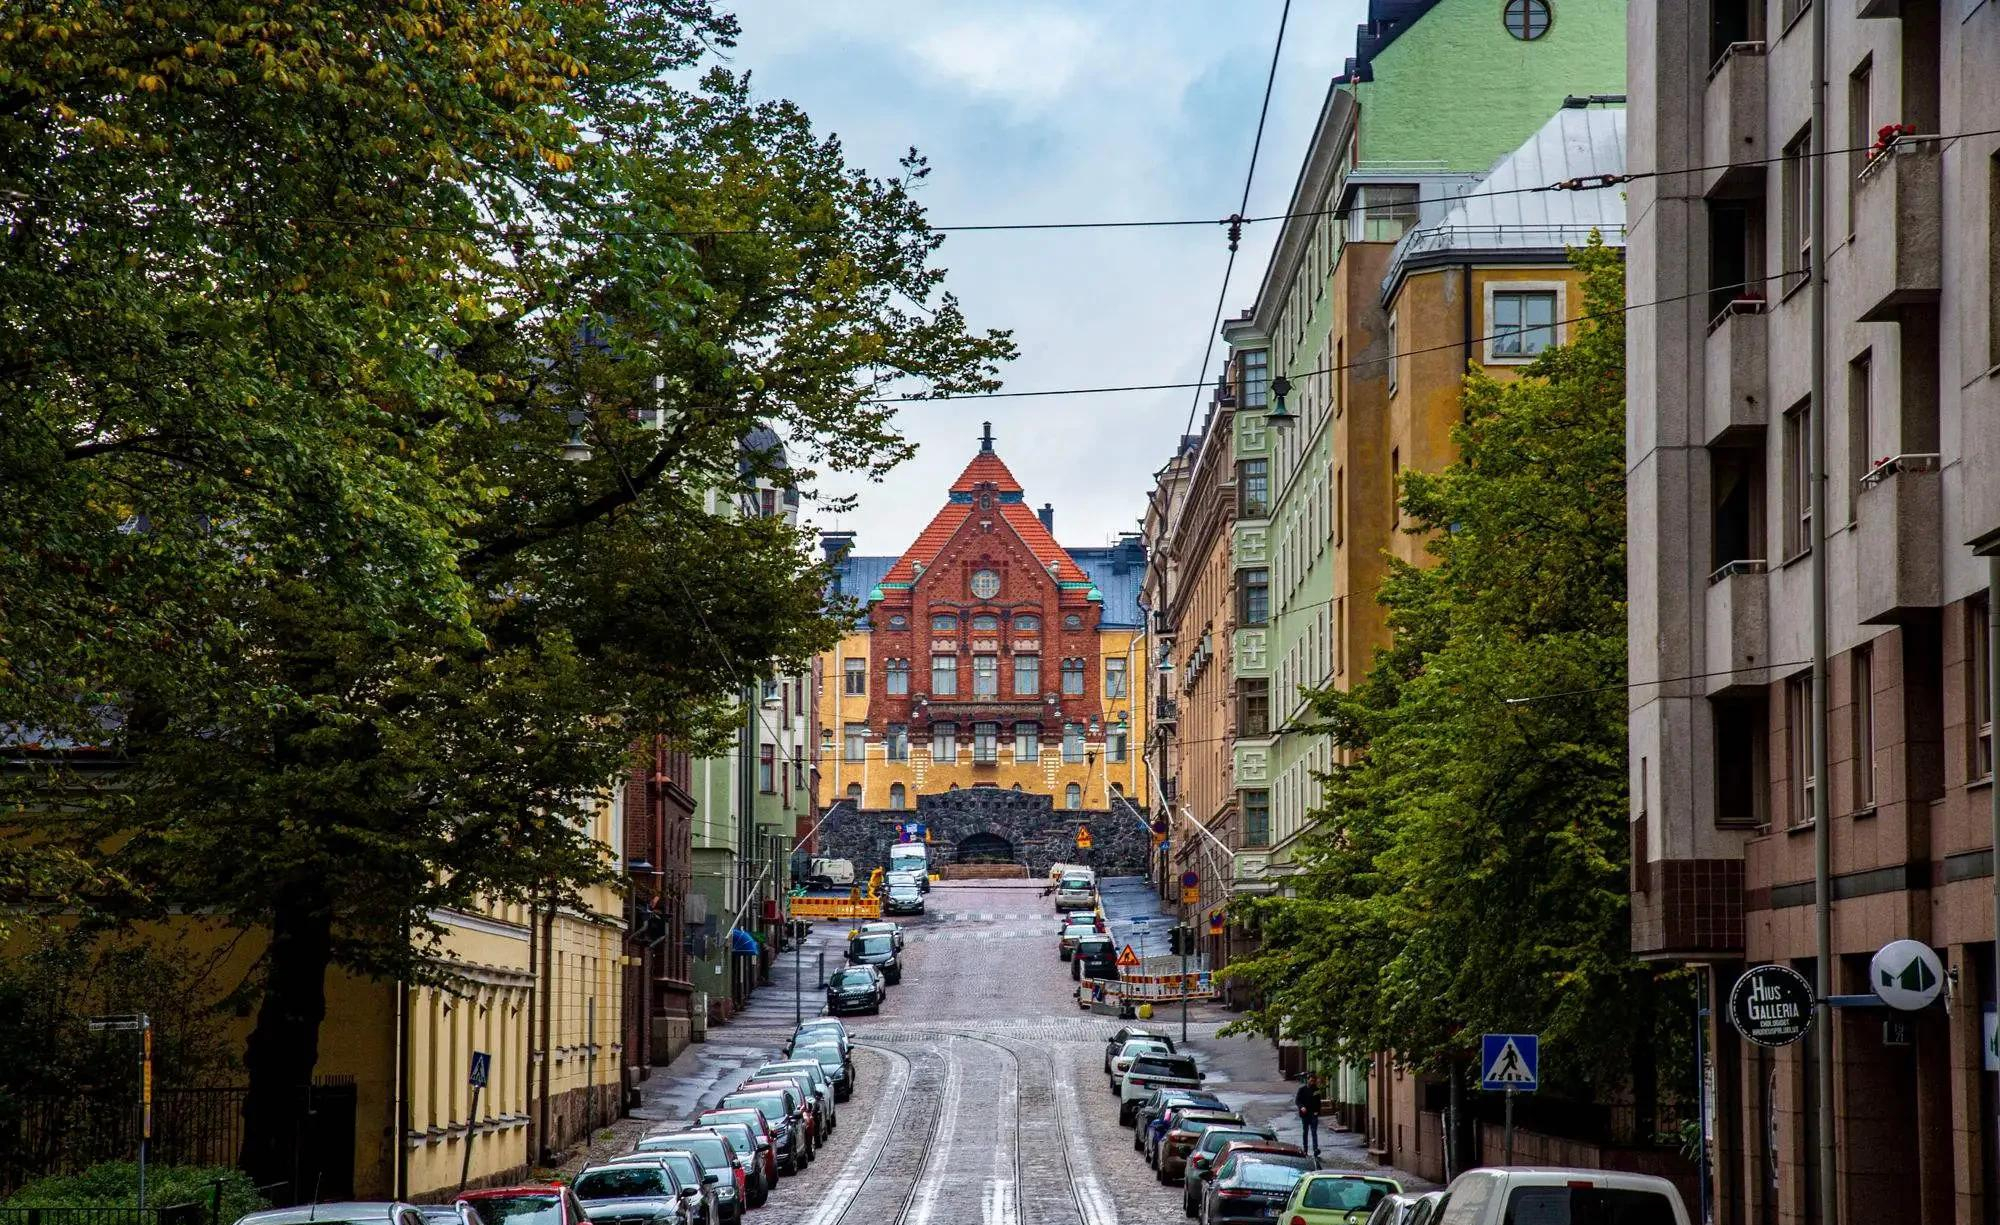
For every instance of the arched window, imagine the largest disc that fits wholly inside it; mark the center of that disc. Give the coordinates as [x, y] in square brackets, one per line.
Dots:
[898, 798]
[1073, 796]
[1526, 19]
[899, 676]
[854, 794]
[1072, 677]
[1027, 623]
[1118, 789]
[986, 622]
[944, 622]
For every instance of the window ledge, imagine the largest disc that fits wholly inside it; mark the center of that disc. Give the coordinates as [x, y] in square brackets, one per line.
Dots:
[1860, 813]
[1980, 784]
[1792, 291]
[1803, 827]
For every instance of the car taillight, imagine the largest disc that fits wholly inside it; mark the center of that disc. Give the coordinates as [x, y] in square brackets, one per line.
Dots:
[1297, 1220]
[742, 1180]
[1232, 1193]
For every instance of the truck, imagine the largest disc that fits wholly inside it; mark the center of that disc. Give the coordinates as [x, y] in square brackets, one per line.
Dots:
[831, 874]
[912, 857]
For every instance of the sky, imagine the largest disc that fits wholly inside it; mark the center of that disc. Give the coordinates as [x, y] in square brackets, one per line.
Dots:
[1061, 110]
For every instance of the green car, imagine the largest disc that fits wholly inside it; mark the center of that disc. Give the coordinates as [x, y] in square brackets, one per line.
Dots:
[1337, 1199]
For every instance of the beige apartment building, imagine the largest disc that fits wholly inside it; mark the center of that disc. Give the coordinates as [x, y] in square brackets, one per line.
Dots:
[1723, 528]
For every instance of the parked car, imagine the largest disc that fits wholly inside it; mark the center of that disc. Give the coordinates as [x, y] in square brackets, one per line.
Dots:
[1156, 1071]
[1201, 1162]
[1339, 1199]
[835, 1064]
[1122, 1061]
[624, 1191]
[1248, 1187]
[879, 927]
[704, 1204]
[1181, 1129]
[878, 951]
[855, 989]
[1562, 1197]
[804, 1110]
[749, 1157]
[1125, 1033]
[346, 1212]
[760, 1130]
[1149, 1119]
[1075, 894]
[720, 1172]
[780, 1109]
[824, 1102]
[1072, 931]
[1094, 957]
[819, 1029]
[519, 1205]
[904, 898]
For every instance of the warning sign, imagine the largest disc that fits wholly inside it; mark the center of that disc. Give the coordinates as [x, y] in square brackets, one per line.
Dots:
[1127, 958]
[1082, 837]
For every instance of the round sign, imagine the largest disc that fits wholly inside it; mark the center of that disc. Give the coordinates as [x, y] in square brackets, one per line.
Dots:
[1906, 974]
[1771, 1005]
[1190, 879]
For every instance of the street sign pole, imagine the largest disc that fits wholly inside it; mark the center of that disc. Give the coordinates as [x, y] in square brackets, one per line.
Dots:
[145, 1100]
[1508, 1148]
[798, 979]
[1187, 936]
[480, 1073]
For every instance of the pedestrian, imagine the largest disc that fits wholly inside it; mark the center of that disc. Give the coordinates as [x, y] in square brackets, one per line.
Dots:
[1309, 1102]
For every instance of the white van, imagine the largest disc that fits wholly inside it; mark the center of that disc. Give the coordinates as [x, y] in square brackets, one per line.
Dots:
[912, 857]
[1551, 1196]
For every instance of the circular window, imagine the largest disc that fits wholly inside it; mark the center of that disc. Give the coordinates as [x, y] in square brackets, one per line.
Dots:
[899, 623]
[985, 584]
[1527, 19]
[1030, 622]
[1072, 622]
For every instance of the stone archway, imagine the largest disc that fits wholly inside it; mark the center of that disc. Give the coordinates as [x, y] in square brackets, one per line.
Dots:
[986, 847]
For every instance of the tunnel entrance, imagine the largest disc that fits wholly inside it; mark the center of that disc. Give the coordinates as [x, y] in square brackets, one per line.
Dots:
[986, 848]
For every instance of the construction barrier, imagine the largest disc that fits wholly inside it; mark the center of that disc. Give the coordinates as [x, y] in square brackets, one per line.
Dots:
[1153, 988]
[836, 908]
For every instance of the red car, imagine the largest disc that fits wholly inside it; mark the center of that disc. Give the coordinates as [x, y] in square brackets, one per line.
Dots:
[767, 1148]
[550, 1204]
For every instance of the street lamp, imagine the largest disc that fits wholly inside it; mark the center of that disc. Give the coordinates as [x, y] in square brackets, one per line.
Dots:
[141, 1024]
[576, 450]
[1279, 415]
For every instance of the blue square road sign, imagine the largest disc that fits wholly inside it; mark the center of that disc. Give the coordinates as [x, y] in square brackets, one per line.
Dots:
[1510, 1062]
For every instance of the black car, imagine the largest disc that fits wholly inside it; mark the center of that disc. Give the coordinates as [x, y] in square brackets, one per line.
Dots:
[631, 1191]
[877, 951]
[855, 989]
[1095, 957]
[780, 1109]
[1251, 1187]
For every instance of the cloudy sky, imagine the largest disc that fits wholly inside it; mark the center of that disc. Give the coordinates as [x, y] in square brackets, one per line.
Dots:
[1057, 110]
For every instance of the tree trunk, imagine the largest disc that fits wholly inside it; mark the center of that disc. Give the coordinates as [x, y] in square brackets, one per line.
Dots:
[284, 1047]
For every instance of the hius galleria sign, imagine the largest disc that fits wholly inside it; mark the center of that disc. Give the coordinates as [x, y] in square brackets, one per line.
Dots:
[1771, 1005]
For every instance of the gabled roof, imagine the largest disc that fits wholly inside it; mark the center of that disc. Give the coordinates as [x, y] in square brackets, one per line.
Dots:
[986, 468]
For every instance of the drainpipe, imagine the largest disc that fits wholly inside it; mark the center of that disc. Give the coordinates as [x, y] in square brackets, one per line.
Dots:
[1993, 686]
[1822, 832]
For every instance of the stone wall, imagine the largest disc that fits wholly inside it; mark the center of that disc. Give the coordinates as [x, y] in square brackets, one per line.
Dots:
[1040, 833]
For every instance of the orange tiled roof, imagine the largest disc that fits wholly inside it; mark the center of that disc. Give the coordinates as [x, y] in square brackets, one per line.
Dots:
[928, 543]
[985, 467]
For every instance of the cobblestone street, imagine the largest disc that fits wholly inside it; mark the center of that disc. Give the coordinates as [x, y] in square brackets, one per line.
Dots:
[981, 1093]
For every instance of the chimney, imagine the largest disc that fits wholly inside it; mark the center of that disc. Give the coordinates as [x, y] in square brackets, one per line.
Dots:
[1047, 514]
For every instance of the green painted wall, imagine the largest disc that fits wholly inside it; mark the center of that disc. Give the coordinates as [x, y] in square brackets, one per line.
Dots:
[1457, 88]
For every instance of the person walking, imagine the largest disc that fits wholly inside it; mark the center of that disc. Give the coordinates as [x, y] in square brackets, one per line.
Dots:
[1309, 1102]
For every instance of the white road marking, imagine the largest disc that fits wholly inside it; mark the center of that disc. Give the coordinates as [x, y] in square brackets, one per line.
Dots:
[848, 1183]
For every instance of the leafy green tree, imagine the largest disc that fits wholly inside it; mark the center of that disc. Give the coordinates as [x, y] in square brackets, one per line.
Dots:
[308, 318]
[1470, 866]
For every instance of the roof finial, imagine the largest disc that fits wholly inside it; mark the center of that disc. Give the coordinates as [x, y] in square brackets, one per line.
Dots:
[986, 436]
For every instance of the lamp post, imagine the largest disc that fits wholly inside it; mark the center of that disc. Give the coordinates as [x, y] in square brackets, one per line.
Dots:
[141, 1024]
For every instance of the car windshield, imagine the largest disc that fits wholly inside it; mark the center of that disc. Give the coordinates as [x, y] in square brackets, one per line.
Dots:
[903, 891]
[712, 1150]
[1213, 1139]
[1277, 1174]
[869, 946]
[1078, 929]
[1138, 1046]
[770, 1105]
[854, 978]
[1201, 1127]
[1089, 947]
[828, 1056]
[1075, 886]
[819, 1033]
[738, 1135]
[622, 1182]
[520, 1210]
[1178, 1066]
[1586, 1206]
[1344, 1194]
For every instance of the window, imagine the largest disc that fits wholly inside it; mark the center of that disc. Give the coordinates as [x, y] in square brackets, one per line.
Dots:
[1798, 736]
[854, 794]
[1395, 488]
[767, 769]
[1863, 671]
[1339, 373]
[1339, 505]
[1792, 10]
[767, 502]
[898, 798]
[1798, 480]
[1253, 596]
[1254, 377]
[898, 741]
[1253, 488]
[1073, 797]
[1742, 740]
[1072, 622]
[1256, 818]
[985, 676]
[1027, 742]
[856, 673]
[986, 623]
[1522, 323]
[944, 674]
[1114, 678]
[1858, 134]
[1796, 229]
[1526, 19]
[985, 584]
[1072, 677]
[1860, 411]
[899, 677]
[1028, 675]
[770, 691]
[1388, 210]
[899, 623]
[1072, 742]
[1027, 624]
[799, 771]
[944, 742]
[1978, 691]
[1114, 744]
[1736, 515]
[1735, 258]
[1732, 22]
[854, 742]
[1253, 706]
[944, 623]
[1392, 354]
[985, 742]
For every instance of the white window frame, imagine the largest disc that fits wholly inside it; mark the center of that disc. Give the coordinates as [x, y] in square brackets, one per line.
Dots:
[1493, 288]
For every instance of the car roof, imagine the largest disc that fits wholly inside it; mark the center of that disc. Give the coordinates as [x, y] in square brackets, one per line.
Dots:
[340, 1210]
[505, 1192]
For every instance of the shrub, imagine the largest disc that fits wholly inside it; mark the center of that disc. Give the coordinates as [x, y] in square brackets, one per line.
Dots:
[114, 1184]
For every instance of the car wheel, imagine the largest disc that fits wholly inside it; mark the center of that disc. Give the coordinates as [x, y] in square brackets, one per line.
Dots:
[1187, 1203]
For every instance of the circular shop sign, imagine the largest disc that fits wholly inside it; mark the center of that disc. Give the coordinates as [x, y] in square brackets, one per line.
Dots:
[1771, 1005]
[1906, 974]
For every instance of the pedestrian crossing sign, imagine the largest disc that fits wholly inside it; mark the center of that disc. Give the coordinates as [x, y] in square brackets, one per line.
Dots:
[1510, 1062]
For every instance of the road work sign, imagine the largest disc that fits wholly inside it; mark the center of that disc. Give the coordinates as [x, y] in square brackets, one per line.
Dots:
[1510, 1062]
[1127, 958]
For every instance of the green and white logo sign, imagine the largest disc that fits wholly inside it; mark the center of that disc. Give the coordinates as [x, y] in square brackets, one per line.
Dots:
[1906, 974]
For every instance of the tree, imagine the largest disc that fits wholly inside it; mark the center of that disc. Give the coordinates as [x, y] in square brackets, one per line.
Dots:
[299, 310]
[1469, 870]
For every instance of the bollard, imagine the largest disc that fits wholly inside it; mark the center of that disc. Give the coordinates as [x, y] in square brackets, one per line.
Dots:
[1145, 1012]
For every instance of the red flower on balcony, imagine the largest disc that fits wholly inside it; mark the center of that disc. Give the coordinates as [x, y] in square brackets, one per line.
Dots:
[1887, 135]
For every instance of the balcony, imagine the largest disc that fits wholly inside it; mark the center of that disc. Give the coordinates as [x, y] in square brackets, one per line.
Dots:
[1733, 122]
[1734, 399]
[1739, 627]
[1897, 517]
[1898, 203]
